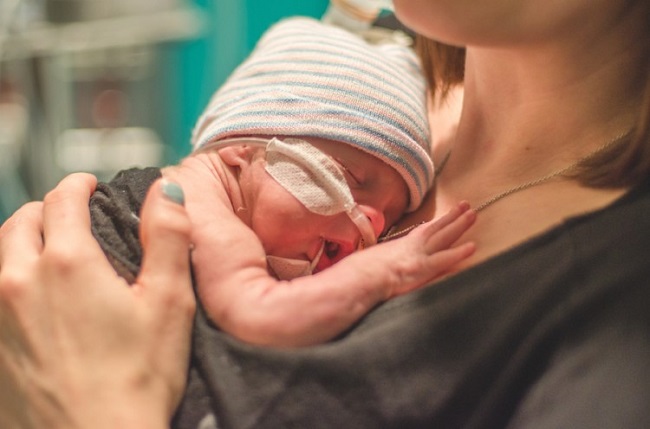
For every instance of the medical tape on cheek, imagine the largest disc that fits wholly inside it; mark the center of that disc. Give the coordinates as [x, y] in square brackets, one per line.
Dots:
[316, 181]
[289, 269]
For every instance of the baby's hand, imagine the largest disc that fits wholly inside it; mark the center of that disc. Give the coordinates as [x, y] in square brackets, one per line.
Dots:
[426, 253]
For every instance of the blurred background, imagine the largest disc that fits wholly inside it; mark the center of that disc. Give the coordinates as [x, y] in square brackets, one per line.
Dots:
[101, 85]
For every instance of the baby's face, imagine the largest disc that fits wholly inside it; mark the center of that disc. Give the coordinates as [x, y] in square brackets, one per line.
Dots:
[288, 229]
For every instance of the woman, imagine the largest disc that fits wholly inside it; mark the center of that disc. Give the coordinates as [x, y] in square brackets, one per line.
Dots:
[545, 326]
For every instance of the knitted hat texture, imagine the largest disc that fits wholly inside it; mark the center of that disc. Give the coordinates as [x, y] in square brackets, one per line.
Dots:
[309, 79]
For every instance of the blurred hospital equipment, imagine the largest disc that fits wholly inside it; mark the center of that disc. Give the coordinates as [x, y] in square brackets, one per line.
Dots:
[80, 85]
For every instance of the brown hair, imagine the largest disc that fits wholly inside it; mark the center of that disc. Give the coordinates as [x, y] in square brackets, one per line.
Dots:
[443, 65]
[622, 165]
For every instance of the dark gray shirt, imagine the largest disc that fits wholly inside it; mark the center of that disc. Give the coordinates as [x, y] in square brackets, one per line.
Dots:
[554, 333]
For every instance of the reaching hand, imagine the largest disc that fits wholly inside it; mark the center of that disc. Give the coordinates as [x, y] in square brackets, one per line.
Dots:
[424, 254]
[79, 347]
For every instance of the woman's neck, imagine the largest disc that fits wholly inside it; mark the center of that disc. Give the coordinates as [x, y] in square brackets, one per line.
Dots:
[532, 110]
[527, 113]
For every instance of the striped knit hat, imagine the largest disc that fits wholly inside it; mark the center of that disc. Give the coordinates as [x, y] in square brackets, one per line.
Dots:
[308, 79]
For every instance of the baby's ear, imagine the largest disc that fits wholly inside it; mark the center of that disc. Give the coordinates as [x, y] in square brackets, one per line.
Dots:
[237, 156]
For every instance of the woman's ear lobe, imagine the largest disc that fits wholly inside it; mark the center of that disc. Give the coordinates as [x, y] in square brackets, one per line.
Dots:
[237, 156]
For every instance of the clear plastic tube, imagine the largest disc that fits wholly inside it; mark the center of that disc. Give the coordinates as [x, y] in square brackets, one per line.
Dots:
[364, 225]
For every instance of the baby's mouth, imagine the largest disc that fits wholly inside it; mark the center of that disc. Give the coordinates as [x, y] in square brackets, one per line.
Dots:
[331, 249]
[332, 253]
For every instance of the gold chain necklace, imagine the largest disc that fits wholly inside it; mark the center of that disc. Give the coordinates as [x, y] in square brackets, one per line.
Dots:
[540, 180]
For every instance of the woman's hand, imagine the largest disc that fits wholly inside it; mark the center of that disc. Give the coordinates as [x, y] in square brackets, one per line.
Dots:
[79, 348]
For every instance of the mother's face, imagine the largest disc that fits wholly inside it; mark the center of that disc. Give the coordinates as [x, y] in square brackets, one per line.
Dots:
[507, 22]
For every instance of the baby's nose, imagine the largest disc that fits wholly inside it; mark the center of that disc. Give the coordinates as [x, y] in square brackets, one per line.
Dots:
[376, 217]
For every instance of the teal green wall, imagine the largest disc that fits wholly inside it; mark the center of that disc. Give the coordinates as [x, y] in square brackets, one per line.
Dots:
[200, 66]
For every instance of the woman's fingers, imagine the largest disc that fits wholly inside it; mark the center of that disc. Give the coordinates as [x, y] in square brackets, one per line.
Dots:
[22, 235]
[66, 219]
[69, 244]
[66, 207]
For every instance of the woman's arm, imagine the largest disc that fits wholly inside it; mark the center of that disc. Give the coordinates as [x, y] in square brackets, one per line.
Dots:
[78, 347]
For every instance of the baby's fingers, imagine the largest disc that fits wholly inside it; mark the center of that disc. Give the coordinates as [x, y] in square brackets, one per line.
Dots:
[441, 234]
[444, 260]
[451, 216]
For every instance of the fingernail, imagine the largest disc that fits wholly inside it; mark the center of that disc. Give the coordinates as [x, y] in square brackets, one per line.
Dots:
[173, 192]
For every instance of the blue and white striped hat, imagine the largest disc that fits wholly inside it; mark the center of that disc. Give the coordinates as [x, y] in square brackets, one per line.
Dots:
[309, 79]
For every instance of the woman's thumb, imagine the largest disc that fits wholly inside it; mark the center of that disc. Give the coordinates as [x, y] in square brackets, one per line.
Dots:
[165, 283]
[165, 236]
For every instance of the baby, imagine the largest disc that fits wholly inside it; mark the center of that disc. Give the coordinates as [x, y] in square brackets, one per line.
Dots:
[314, 146]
